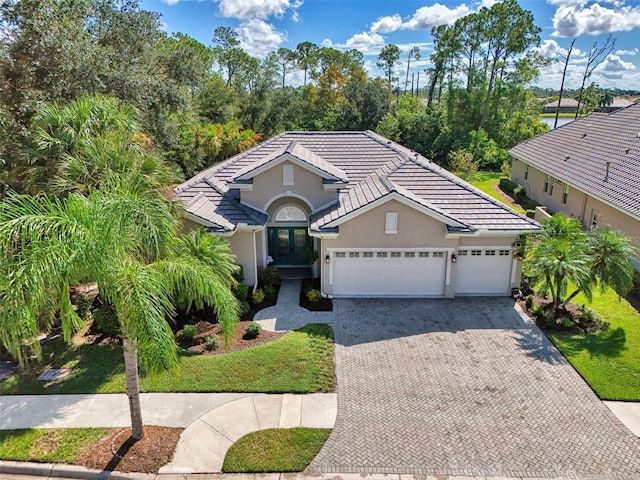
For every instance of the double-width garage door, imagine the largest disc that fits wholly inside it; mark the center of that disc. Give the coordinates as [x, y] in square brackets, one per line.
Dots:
[391, 273]
[483, 271]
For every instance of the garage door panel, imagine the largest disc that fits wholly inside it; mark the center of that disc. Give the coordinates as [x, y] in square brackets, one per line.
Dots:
[483, 271]
[389, 276]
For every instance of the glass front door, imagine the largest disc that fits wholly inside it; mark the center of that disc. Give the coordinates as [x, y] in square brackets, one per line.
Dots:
[287, 244]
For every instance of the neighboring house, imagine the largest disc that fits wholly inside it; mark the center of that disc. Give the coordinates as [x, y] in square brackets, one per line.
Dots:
[588, 169]
[384, 220]
[567, 105]
[618, 102]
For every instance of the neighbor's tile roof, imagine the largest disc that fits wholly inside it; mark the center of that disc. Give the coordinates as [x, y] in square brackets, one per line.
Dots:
[577, 153]
[371, 166]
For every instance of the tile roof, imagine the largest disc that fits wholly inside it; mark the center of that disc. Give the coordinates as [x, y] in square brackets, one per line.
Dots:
[374, 168]
[598, 154]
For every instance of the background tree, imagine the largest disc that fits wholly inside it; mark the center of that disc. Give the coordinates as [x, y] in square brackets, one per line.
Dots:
[564, 74]
[287, 62]
[306, 57]
[597, 55]
[415, 53]
[388, 58]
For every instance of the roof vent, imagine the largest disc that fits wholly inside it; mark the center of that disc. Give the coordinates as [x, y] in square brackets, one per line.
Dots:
[584, 134]
[567, 157]
[606, 175]
[626, 152]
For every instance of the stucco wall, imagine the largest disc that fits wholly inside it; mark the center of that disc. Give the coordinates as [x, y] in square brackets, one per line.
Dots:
[242, 245]
[269, 185]
[579, 205]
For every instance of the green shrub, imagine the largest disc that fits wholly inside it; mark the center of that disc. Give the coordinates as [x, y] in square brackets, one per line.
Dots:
[269, 291]
[212, 342]
[258, 296]
[189, 331]
[537, 310]
[636, 283]
[314, 295]
[566, 322]
[518, 192]
[252, 330]
[239, 275]
[270, 276]
[529, 302]
[530, 213]
[550, 320]
[241, 291]
[507, 185]
[106, 321]
[244, 307]
[588, 316]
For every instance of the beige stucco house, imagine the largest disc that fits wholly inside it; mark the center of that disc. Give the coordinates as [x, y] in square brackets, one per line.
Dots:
[588, 169]
[384, 220]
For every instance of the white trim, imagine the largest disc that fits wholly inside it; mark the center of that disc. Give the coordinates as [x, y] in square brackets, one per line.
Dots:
[447, 274]
[284, 158]
[326, 205]
[326, 236]
[265, 247]
[514, 268]
[243, 187]
[490, 233]
[288, 193]
[332, 187]
[205, 223]
[390, 223]
[400, 198]
[288, 177]
[255, 261]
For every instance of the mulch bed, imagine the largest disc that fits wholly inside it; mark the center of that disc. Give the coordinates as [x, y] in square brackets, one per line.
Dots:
[241, 342]
[570, 311]
[116, 451]
[322, 305]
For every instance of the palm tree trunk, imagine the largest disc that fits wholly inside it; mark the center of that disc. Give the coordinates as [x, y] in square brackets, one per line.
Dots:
[133, 389]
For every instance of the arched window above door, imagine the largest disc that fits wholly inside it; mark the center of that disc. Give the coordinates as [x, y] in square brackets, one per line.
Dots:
[290, 213]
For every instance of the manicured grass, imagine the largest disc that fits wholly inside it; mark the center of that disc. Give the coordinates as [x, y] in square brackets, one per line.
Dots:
[485, 181]
[275, 450]
[299, 362]
[609, 360]
[62, 445]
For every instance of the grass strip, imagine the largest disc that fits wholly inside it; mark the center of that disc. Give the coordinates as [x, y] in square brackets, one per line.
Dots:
[58, 445]
[275, 450]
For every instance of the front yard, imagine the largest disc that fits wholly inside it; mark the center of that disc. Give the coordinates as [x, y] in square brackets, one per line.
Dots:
[299, 362]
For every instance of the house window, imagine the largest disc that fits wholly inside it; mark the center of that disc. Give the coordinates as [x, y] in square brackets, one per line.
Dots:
[551, 186]
[546, 183]
[423, 254]
[287, 175]
[476, 253]
[367, 254]
[340, 254]
[438, 254]
[594, 218]
[491, 253]
[391, 222]
[462, 253]
[354, 254]
[381, 254]
[504, 253]
[396, 254]
[409, 254]
[290, 213]
[565, 193]
[526, 172]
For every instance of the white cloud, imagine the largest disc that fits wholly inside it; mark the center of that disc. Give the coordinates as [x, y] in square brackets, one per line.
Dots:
[258, 37]
[367, 43]
[170, 2]
[387, 24]
[426, 18]
[615, 67]
[573, 18]
[327, 43]
[164, 26]
[551, 49]
[627, 52]
[262, 9]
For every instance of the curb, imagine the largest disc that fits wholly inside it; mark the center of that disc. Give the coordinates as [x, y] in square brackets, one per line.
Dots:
[59, 470]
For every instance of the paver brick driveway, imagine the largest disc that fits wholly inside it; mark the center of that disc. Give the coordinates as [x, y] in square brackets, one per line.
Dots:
[464, 387]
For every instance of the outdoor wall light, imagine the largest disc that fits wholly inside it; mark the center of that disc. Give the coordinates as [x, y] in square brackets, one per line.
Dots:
[327, 259]
[454, 259]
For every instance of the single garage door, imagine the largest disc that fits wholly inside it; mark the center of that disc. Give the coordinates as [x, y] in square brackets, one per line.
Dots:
[391, 273]
[483, 271]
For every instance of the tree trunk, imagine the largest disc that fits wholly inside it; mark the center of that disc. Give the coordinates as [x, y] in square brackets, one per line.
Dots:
[133, 389]
[564, 74]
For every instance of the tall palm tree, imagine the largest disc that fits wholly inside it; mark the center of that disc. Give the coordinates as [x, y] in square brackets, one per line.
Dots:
[124, 238]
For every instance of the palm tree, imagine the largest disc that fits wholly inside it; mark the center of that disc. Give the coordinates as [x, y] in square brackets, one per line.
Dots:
[611, 253]
[125, 239]
[606, 99]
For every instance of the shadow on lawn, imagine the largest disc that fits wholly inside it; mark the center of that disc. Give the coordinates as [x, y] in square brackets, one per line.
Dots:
[605, 343]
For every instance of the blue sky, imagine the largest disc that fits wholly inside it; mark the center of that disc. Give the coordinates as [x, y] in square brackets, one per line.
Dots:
[368, 25]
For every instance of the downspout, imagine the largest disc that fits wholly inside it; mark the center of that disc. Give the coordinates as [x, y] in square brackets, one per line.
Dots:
[255, 260]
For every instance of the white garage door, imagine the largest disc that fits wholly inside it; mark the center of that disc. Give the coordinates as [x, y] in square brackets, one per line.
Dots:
[483, 271]
[391, 273]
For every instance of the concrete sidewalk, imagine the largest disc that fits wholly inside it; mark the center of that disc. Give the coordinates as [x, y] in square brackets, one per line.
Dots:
[212, 422]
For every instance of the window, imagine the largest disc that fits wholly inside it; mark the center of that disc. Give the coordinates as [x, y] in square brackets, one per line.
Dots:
[565, 193]
[391, 222]
[476, 253]
[396, 254]
[504, 253]
[595, 216]
[409, 254]
[438, 254]
[546, 183]
[526, 172]
[462, 253]
[287, 175]
[340, 254]
[491, 253]
[381, 254]
[551, 186]
[290, 213]
[354, 254]
[423, 254]
[367, 254]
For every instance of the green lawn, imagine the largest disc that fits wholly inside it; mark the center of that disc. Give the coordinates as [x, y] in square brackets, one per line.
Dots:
[54, 445]
[299, 362]
[275, 450]
[609, 360]
[485, 181]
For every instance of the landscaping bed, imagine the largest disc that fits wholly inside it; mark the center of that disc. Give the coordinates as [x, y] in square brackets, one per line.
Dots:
[321, 304]
[204, 330]
[570, 318]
